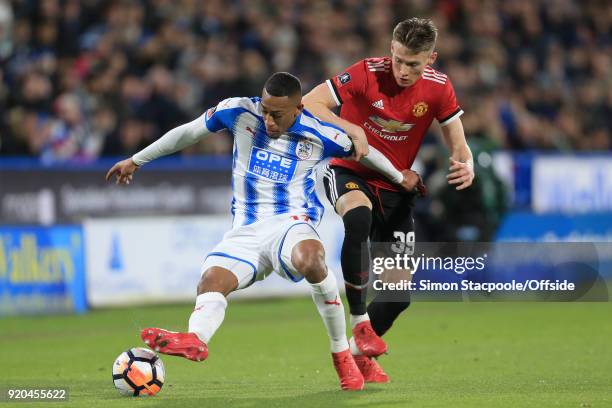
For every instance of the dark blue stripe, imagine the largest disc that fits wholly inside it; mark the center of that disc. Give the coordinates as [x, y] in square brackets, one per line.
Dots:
[262, 141]
[281, 198]
[224, 118]
[281, 190]
[250, 202]
[250, 185]
[314, 208]
[234, 157]
[224, 255]
[330, 148]
[280, 250]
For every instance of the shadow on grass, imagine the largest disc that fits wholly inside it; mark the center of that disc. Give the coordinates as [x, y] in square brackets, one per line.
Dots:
[374, 395]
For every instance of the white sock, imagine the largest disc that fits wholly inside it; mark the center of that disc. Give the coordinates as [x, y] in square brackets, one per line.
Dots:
[356, 319]
[354, 349]
[331, 312]
[208, 315]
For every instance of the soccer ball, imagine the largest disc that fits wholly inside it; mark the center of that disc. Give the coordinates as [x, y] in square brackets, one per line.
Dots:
[138, 372]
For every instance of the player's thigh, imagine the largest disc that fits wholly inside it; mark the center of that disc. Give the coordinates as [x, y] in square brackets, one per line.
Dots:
[351, 200]
[290, 236]
[395, 223]
[345, 190]
[240, 254]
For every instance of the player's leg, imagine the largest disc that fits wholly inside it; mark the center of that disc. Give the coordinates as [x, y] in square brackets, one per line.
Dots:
[397, 226]
[394, 220]
[301, 253]
[355, 209]
[308, 259]
[365, 343]
[229, 267]
[215, 284]
[350, 197]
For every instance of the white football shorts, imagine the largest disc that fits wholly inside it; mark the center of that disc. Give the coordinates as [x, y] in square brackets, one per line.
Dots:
[251, 252]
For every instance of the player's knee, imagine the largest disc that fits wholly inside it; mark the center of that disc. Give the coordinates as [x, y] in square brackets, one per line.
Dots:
[352, 199]
[357, 223]
[308, 258]
[217, 279]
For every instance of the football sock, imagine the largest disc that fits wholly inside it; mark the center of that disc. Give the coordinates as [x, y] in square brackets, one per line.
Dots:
[353, 346]
[327, 299]
[383, 314]
[356, 319]
[207, 315]
[357, 223]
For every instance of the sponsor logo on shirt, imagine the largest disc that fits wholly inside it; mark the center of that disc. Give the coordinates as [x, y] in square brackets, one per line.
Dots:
[351, 186]
[271, 166]
[391, 125]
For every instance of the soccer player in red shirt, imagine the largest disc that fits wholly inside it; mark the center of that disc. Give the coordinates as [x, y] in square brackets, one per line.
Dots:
[392, 102]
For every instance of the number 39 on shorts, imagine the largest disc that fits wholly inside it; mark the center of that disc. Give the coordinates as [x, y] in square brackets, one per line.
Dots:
[404, 243]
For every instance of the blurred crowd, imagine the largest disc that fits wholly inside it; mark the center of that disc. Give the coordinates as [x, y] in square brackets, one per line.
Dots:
[81, 79]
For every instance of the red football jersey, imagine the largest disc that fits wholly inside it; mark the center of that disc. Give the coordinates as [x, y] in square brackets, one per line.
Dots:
[394, 119]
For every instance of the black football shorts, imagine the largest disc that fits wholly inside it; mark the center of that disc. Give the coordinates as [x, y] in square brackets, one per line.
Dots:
[392, 219]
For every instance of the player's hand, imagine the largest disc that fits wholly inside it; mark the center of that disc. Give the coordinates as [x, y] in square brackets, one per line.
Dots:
[461, 174]
[413, 183]
[124, 170]
[360, 142]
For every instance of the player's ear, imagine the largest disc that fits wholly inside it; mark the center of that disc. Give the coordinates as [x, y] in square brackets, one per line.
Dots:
[432, 58]
[299, 108]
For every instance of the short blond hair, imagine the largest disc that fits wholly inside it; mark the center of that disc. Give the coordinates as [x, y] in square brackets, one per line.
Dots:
[416, 34]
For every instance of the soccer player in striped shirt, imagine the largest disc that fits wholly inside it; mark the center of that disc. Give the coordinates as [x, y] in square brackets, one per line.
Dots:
[392, 102]
[277, 145]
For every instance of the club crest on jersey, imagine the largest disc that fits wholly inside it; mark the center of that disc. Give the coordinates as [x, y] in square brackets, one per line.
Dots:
[344, 78]
[419, 109]
[352, 186]
[210, 112]
[303, 150]
[391, 125]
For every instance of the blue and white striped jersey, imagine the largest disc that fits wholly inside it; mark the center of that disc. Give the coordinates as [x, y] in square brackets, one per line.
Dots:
[275, 176]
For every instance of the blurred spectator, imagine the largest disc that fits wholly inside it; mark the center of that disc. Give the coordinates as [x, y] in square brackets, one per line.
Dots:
[132, 136]
[84, 78]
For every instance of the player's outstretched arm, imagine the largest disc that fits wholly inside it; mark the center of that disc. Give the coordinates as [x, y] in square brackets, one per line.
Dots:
[320, 103]
[409, 180]
[172, 141]
[461, 170]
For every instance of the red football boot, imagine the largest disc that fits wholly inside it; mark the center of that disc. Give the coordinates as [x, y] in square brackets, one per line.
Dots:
[186, 345]
[368, 341]
[370, 369]
[348, 372]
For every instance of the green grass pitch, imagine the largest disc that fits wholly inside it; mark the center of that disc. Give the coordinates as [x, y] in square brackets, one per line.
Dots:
[275, 353]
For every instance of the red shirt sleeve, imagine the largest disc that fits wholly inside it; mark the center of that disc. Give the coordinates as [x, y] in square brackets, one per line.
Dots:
[449, 109]
[350, 83]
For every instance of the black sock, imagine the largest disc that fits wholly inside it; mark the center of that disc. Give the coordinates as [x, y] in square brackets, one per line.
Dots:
[383, 313]
[357, 223]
